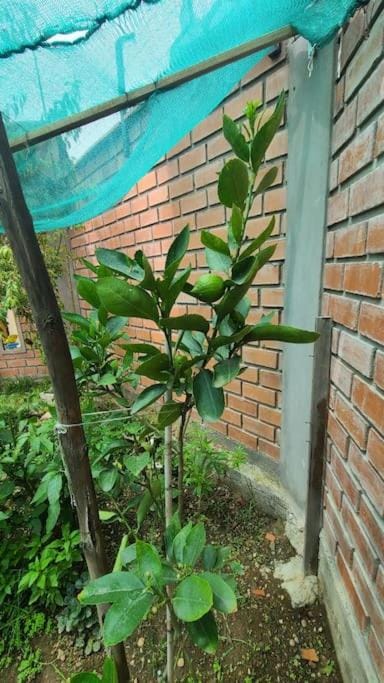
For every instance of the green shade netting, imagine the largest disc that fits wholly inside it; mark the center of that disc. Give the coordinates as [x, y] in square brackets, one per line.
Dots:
[123, 45]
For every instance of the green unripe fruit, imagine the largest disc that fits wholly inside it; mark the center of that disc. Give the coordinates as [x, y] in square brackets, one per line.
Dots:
[209, 288]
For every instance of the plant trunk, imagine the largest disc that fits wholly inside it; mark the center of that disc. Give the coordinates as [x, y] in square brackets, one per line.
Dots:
[180, 469]
[19, 229]
[168, 516]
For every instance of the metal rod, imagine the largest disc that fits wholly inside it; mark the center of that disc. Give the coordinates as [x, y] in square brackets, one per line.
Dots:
[141, 94]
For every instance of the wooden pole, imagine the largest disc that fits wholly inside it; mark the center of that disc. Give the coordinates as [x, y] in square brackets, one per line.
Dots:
[18, 226]
[131, 99]
[318, 433]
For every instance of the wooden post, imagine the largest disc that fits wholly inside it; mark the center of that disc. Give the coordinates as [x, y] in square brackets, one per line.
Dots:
[18, 226]
[318, 433]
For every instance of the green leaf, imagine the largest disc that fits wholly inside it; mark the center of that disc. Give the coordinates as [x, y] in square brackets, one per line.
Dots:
[77, 319]
[148, 560]
[225, 371]
[148, 281]
[106, 380]
[242, 270]
[85, 678]
[147, 500]
[147, 397]
[123, 618]
[107, 479]
[214, 242]
[173, 528]
[179, 542]
[237, 223]
[169, 413]
[120, 298]
[267, 180]
[116, 324]
[209, 400]
[52, 517]
[88, 291]
[156, 367]
[224, 599]
[109, 671]
[284, 333]
[54, 488]
[171, 293]
[106, 515]
[192, 599]
[193, 321]
[135, 464]
[217, 261]
[266, 133]
[209, 557]
[204, 634]
[235, 138]
[259, 241]
[177, 250]
[194, 544]
[120, 263]
[147, 349]
[111, 588]
[233, 184]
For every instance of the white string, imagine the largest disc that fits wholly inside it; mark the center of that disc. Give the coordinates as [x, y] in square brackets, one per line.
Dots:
[61, 428]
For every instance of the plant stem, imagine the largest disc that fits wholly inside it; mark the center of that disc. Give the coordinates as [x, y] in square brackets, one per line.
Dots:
[180, 471]
[168, 516]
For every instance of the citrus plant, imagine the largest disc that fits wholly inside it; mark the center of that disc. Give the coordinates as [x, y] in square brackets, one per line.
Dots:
[201, 354]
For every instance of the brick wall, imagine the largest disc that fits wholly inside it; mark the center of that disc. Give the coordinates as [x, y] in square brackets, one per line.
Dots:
[353, 298]
[26, 362]
[183, 189]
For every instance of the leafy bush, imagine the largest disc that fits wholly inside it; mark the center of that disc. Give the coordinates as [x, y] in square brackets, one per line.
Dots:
[79, 620]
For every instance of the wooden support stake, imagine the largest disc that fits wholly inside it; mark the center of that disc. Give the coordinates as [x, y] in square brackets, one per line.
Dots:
[318, 433]
[18, 225]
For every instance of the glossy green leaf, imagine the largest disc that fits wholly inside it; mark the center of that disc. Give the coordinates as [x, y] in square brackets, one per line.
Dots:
[107, 479]
[109, 671]
[120, 298]
[145, 349]
[77, 319]
[147, 500]
[193, 321]
[209, 557]
[209, 400]
[266, 133]
[123, 618]
[212, 241]
[52, 517]
[284, 333]
[233, 184]
[224, 599]
[217, 261]
[106, 380]
[259, 241]
[148, 560]
[268, 180]
[177, 249]
[204, 633]
[171, 292]
[119, 262]
[225, 371]
[155, 367]
[194, 544]
[106, 515]
[237, 223]
[116, 324]
[148, 281]
[111, 588]
[87, 289]
[242, 270]
[179, 543]
[192, 599]
[85, 677]
[54, 488]
[135, 464]
[169, 413]
[148, 396]
[235, 138]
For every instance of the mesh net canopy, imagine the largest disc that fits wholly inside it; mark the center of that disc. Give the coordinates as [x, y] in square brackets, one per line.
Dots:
[61, 57]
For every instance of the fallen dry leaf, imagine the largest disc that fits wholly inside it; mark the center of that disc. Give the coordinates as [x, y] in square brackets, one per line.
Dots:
[309, 654]
[258, 592]
[270, 537]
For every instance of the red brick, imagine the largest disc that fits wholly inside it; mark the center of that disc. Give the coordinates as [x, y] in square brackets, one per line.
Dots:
[363, 278]
[349, 486]
[208, 174]
[184, 143]
[333, 275]
[341, 376]
[377, 652]
[350, 241]
[270, 415]
[357, 155]
[372, 605]
[276, 83]
[369, 402]
[260, 394]
[372, 524]
[344, 126]
[369, 480]
[337, 434]
[333, 488]
[368, 53]
[371, 322]
[195, 157]
[343, 542]
[368, 192]
[210, 125]
[181, 186]
[240, 404]
[147, 182]
[356, 353]
[351, 38]
[338, 207]
[236, 105]
[278, 147]
[169, 210]
[275, 200]
[371, 94]
[379, 370]
[167, 171]
[259, 356]
[375, 452]
[217, 146]
[270, 379]
[379, 140]
[159, 195]
[139, 203]
[268, 448]
[375, 241]
[249, 440]
[355, 426]
[272, 297]
[353, 593]
[359, 539]
[344, 311]
[210, 218]
[194, 202]
[259, 428]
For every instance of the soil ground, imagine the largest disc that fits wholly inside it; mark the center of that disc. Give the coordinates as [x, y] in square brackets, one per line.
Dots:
[266, 641]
